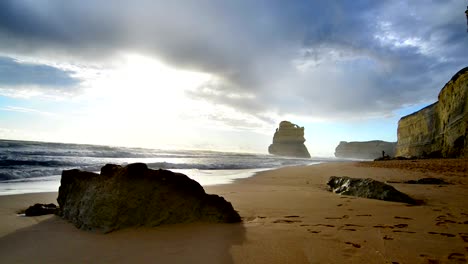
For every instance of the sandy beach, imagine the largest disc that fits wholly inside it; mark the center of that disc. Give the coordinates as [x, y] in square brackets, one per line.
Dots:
[288, 217]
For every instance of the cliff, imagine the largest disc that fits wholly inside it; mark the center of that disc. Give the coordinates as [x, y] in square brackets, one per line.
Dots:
[440, 129]
[365, 150]
[288, 140]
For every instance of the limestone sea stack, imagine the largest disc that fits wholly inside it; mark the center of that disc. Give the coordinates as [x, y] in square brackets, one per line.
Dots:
[365, 149]
[440, 129]
[137, 196]
[289, 141]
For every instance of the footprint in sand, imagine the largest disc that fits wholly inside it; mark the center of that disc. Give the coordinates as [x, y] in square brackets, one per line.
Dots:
[441, 217]
[464, 236]
[403, 231]
[313, 231]
[343, 217]
[387, 238]
[353, 225]
[384, 226]
[403, 218]
[391, 226]
[442, 234]
[353, 244]
[286, 221]
[458, 257]
[348, 227]
[429, 260]
[323, 225]
[291, 216]
[444, 222]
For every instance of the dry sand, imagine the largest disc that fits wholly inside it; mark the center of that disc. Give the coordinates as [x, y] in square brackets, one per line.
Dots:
[288, 217]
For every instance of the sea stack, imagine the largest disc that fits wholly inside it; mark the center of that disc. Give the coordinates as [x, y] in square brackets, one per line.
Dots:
[440, 129]
[289, 141]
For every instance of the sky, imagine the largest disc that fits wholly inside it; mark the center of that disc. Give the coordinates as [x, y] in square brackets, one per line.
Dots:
[221, 75]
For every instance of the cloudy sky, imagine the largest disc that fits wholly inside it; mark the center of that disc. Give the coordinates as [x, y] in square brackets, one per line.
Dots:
[209, 74]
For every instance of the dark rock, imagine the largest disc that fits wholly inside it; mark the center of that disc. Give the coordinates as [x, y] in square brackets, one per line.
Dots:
[137, 196]
[427, 181]
[384, 158]
[288, 140]
[41, 209]
[367, 188]
[405, 158]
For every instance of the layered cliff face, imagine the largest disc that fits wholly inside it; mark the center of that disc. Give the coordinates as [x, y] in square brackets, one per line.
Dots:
[365, 150]
[289, 141]
[440, 129]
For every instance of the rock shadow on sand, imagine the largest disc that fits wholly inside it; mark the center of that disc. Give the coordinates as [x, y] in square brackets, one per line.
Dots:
[56, 241]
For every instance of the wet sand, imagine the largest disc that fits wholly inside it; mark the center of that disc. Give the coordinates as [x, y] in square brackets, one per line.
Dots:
[288, 217]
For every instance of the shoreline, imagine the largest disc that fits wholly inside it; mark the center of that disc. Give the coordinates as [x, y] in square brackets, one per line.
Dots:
[204, 177]
[288, 217]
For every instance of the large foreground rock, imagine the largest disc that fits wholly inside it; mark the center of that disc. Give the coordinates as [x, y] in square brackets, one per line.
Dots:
[367, 188]
[289, 141]
[137, 196]
[440, 129]
[365, 149]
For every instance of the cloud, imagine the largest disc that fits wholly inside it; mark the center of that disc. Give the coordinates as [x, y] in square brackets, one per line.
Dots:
[16, 76]
[26, 110]
[334, 59]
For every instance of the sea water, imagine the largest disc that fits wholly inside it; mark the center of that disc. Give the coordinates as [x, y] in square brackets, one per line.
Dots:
[27, 167]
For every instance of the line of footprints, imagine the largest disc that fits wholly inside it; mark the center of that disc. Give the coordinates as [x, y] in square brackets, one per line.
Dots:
[441, 220]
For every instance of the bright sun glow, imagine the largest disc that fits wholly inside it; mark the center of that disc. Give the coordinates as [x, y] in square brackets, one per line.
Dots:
[141, 81]
[142, 88]
[140, 94]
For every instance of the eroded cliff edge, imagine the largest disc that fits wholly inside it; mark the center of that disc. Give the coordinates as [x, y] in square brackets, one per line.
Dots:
[440, 129]
[365, 149]
[289, 141]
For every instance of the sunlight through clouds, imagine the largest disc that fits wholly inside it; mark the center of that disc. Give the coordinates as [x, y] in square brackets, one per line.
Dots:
[143, 86]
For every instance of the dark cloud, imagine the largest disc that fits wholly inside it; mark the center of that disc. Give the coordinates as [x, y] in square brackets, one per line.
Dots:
[315, 58]
[18, 74]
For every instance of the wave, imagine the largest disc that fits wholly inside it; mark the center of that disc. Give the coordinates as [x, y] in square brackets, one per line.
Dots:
[45, 163]
[27, 174]
[168, 165]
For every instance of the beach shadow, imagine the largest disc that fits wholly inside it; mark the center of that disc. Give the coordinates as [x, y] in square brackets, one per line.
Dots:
[56, 241]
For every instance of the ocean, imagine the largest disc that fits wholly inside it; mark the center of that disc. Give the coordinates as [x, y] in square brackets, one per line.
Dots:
[28, 167]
